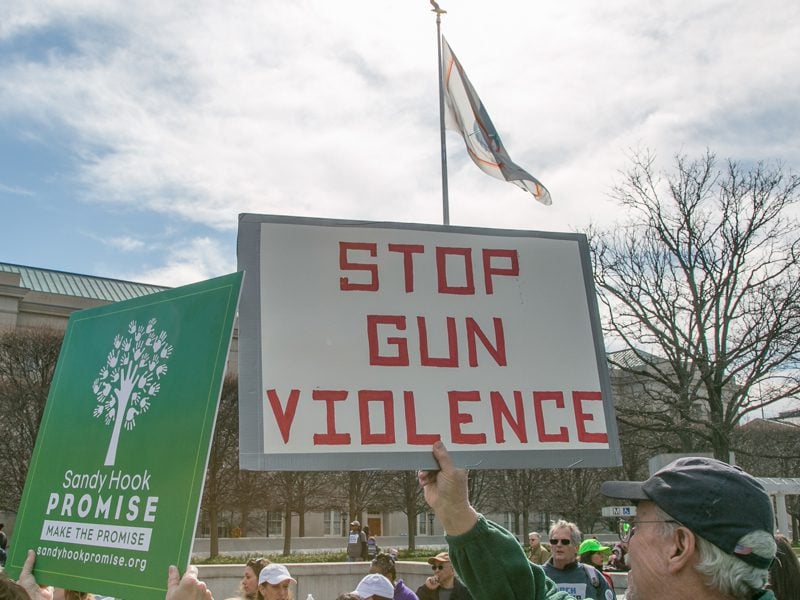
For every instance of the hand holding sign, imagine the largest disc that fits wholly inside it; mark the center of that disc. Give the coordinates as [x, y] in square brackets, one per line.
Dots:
[187, 587]
[29, 583]
[446, 493]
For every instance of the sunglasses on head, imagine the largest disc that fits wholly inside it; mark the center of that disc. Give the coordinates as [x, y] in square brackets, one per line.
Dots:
[563, 542]
[437, 567]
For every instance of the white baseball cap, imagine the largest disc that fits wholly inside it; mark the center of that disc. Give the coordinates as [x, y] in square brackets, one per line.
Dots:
[374, 585]
[274, 574]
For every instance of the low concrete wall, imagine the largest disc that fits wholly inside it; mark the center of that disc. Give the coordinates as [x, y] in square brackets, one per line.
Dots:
[327, 580]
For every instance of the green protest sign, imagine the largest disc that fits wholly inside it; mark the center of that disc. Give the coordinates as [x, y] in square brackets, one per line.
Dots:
[115, 480]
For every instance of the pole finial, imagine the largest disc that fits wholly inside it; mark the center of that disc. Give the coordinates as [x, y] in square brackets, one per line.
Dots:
[437, 9]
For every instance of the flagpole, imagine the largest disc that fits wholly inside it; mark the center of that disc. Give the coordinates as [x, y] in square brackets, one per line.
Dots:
[445, 200]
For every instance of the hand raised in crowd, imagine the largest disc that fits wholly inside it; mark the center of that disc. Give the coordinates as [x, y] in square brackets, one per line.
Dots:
[29, 583]
[447, 494]
[187, 587]
[432, 582]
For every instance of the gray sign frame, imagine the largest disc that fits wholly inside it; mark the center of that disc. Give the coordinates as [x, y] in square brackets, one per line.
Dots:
[251, 398]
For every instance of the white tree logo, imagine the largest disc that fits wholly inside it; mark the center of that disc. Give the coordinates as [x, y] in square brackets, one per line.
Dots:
[129, 379]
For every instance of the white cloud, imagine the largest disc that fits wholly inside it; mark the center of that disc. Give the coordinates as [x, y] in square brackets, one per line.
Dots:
[199, 111]
[15, 190]
[125, 243]
[185, 261]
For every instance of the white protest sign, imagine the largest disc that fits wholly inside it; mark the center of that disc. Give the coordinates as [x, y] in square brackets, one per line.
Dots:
[359, 342]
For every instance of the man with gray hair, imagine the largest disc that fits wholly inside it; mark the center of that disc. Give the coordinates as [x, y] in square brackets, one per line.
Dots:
[703, 529]
[537, 553]
[570, 575]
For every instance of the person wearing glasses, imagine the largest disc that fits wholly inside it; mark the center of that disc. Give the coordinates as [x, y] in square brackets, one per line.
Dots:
[570, 575]
[443, 584]
[703, 529]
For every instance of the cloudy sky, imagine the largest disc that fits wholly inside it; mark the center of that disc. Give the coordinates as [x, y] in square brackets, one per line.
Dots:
[132, 134]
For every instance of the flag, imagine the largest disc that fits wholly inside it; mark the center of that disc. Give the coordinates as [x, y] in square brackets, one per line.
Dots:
[465, 113]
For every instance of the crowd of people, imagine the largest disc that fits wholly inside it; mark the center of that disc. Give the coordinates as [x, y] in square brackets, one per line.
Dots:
[381, 583]
[703, 529]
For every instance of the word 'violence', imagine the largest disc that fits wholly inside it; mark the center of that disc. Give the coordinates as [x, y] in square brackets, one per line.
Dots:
[511, 419]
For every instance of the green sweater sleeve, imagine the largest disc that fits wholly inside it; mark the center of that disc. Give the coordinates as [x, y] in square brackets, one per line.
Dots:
[492, 564]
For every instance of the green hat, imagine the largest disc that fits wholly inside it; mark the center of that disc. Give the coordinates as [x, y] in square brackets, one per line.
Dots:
[589, 546]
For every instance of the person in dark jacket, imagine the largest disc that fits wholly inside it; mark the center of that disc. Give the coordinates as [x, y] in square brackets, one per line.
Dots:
[443, 579]
[383, 564]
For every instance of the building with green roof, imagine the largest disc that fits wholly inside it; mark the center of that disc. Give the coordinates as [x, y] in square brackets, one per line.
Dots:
[36, 297]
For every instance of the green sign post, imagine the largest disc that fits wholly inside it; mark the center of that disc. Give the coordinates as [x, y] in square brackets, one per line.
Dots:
[115, 481]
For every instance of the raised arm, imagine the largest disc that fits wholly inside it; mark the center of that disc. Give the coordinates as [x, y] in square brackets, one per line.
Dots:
[487, 558]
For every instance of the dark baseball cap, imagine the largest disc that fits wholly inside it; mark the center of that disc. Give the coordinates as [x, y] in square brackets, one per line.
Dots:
[718, 502]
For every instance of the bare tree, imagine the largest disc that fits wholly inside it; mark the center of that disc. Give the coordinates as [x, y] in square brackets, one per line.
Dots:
[575, 494]
[768, 448]
[363, 488]
[297, 492]
[27, 361]
[521, 491]
[702, 285]
[223, 460]
[404, 493]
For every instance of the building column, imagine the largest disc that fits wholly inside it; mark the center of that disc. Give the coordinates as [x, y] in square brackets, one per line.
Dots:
[782, 515]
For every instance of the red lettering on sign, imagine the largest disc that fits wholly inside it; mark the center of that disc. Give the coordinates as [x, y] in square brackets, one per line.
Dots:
[500, 409]
[345, 264]
[538, 399]
[330, 437]
[408, 251]
[452, 345]
[375, 357]
[386, 398]
[581, 417]
[457, 418]
[488, 270]
[498, 351]
[284, 418]
[442, 252]
[412, 437]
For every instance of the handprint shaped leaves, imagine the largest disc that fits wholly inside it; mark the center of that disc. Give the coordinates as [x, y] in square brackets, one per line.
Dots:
[126, 385]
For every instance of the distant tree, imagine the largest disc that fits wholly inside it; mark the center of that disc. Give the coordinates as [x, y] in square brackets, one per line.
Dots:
[223, 460]
[28, 359]
[479, 487]
[404, 493]
[128, 381]
[769, 448]
[250, 490]
[704, 273]
[521, 491]
[296, 492]
[575, 494]
[363, 488]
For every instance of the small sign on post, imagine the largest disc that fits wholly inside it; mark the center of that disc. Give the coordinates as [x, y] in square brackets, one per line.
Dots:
[619, 511]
